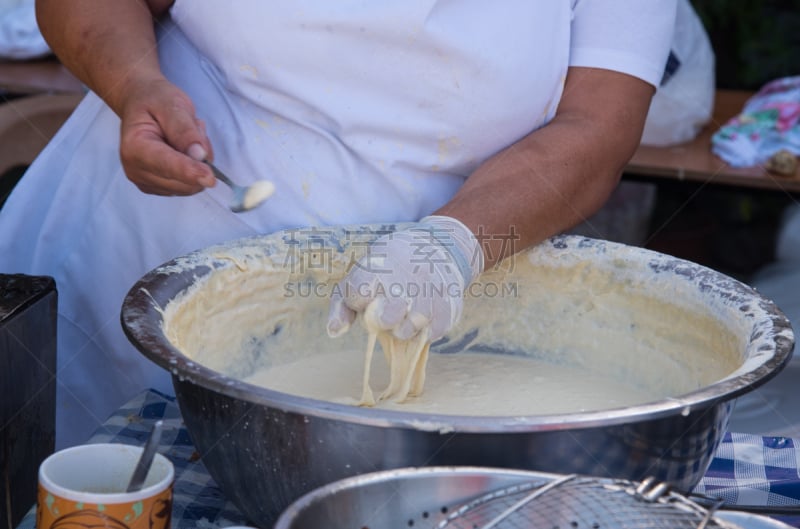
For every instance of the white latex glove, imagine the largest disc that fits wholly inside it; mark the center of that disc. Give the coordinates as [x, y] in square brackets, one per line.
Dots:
[416, 276]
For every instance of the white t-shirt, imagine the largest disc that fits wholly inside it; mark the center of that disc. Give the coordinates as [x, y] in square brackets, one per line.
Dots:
[398, 100]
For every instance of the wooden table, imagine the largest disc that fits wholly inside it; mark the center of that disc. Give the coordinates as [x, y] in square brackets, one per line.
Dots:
[44, 76]
[694, 161]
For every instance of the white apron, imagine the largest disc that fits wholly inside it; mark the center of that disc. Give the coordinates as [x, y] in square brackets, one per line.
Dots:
[359, 111]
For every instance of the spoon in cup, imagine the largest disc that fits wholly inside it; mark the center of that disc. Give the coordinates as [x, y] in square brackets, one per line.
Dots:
[146, 459]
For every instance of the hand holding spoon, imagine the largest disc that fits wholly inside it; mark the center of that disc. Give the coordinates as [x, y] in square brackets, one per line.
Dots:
[245, 198]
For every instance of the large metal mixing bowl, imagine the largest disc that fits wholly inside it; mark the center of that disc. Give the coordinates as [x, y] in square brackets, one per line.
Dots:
[265, 448]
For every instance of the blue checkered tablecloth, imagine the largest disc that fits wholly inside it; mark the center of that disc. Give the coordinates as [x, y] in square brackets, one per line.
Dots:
[753, 470]
[747, 469]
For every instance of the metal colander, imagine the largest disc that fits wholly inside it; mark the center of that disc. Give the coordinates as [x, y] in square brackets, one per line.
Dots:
[488, 498]
[575, 502]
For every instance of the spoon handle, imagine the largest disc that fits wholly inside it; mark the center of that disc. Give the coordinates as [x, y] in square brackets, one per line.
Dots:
[146, 459]
[219, 175]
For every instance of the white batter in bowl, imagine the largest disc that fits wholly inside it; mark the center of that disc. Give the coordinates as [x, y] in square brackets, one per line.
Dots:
[550, 331]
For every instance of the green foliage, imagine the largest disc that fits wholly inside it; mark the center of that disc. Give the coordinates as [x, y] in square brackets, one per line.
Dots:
[754, 41]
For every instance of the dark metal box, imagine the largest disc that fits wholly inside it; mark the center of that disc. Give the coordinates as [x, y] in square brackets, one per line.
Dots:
[28, 312]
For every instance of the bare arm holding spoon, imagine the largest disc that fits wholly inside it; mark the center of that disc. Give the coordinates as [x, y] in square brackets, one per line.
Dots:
[162, 142]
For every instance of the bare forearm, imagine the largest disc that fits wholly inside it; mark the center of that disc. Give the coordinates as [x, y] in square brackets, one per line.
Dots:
[558, 175]
[111, 46]
[107, 45]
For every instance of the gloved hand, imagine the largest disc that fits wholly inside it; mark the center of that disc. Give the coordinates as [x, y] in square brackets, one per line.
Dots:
[415, 277]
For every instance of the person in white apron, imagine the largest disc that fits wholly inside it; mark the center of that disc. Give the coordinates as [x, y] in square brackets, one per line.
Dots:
[520, 114]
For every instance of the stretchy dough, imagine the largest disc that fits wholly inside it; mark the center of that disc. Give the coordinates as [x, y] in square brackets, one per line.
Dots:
[407, 360]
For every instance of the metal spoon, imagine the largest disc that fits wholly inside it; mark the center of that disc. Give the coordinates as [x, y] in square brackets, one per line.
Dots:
[244, 197]
[146, 459]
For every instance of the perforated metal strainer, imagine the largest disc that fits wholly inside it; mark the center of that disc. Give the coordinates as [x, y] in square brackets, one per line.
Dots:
[573, 502]
[487, 498]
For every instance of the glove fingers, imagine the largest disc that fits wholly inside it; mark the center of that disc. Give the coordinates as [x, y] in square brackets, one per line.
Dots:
[439, 328]
[393, 311]
[340, 316]
[448, 316]
[357, 290]
[411, 325]
[385, 313]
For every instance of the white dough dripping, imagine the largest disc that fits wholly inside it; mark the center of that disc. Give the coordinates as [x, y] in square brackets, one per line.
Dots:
[406, 358]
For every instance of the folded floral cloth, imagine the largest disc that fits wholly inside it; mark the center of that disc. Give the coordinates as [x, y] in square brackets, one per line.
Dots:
[768, 123]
